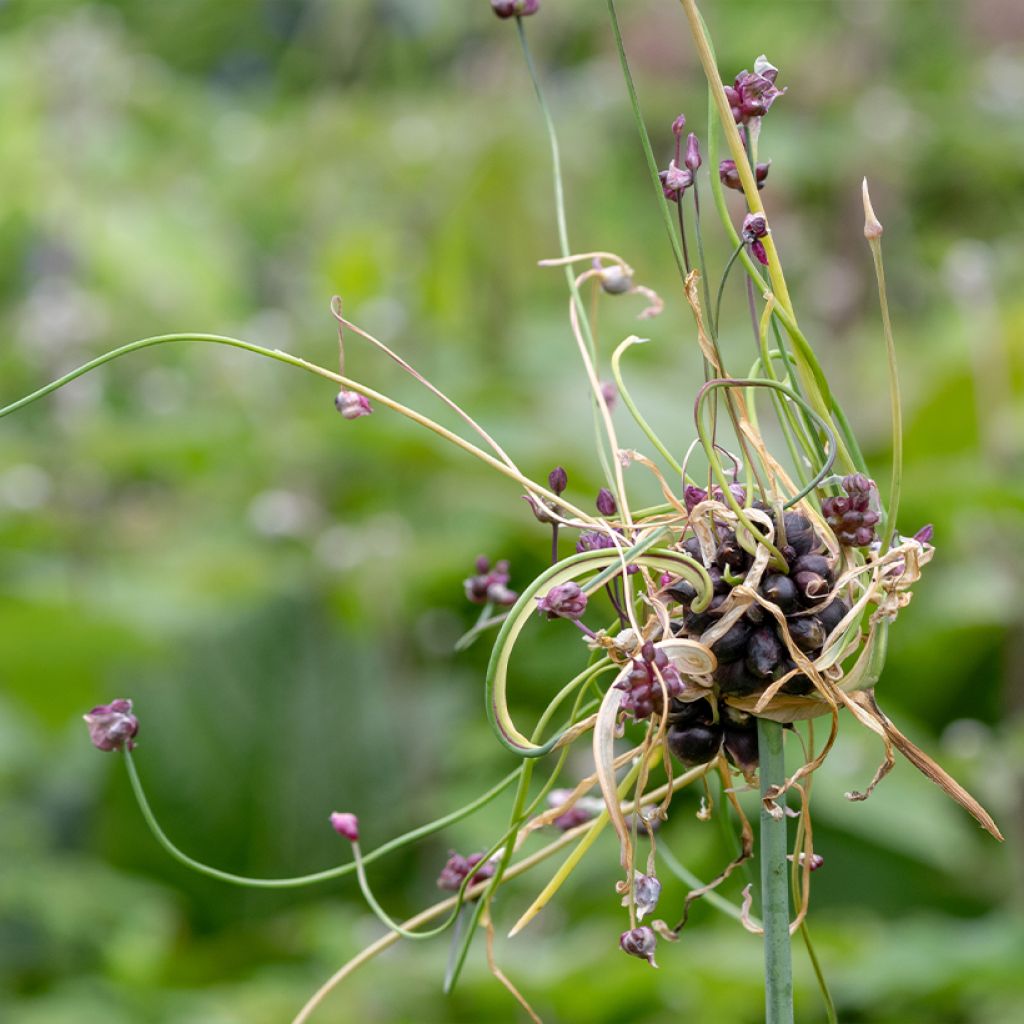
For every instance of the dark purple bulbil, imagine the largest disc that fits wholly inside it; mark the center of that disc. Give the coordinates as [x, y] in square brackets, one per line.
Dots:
[489, 585]
[558, 480]
[514, 8]
[458, 867]
[852, 517]
[753, 92]
[112, 726]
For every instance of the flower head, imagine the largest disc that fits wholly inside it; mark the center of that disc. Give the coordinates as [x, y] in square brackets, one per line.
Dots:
[675, 181]
[852, 517]
[642, 684]
[457, 867]
[352, 405]
[639, 942]
[514, 8]
[753, 92]
[730, 176]
[490, 585]
[755, 227]
[346, 825]
[646, 891]
[565, 601]
[112, 726]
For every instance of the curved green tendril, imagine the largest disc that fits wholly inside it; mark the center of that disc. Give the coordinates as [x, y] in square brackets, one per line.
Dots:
[319, 876]
[572, 568]
[641, 422]
[793, 397]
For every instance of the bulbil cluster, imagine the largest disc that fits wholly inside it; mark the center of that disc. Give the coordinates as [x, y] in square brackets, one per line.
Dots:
[753, 653]
[852, 517]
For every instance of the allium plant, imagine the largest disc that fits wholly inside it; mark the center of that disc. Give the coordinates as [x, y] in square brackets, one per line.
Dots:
[757, 595]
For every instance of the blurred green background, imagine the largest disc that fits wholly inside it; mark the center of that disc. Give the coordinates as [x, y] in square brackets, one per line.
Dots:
[279, 590]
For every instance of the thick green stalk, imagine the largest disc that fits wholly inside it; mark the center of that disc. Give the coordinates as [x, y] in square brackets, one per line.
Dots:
[778, 968]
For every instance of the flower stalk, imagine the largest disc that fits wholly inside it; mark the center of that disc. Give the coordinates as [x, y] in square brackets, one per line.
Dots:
[778, 969]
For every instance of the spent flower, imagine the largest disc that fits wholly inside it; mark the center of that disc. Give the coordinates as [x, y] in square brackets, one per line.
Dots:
[565, 601]
[753, 92]
[352, 405]
[489, 585]
[514, 8]
[640, 942]
[112, 726]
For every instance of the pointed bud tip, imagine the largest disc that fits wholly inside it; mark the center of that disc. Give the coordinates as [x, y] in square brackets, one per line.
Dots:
[346, 825]
[872, 226]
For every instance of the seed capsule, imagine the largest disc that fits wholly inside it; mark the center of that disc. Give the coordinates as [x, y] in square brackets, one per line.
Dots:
[811, 586]
[833, 613]
[816, 564]
[763, 652]
[807, 632]
[694, 744]
[780, 590]
[798, 685]
[730, 555]
[733, 678]
[741, 748]
[682, 591]
[733, 644]
[799, 532]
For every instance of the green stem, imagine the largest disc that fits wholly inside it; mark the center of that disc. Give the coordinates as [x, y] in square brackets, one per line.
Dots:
[319, 876]
[894, 399]
[774, 879]
[826, 995]
[599, 405]
[319, 371]
[645, 142]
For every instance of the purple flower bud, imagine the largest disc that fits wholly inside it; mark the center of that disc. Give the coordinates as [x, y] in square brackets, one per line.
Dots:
[759, 251]
[605, 502]
[566, 601]
[678, 126]
[352, 405]
[693, 496]
[610, 394]
[346, 825]
[594, 540]
[646, 890]
[925, 534]
[692, 160]
[558, 480]
[112, 726]
[514, 8]
[458, 867]
[640, 942]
